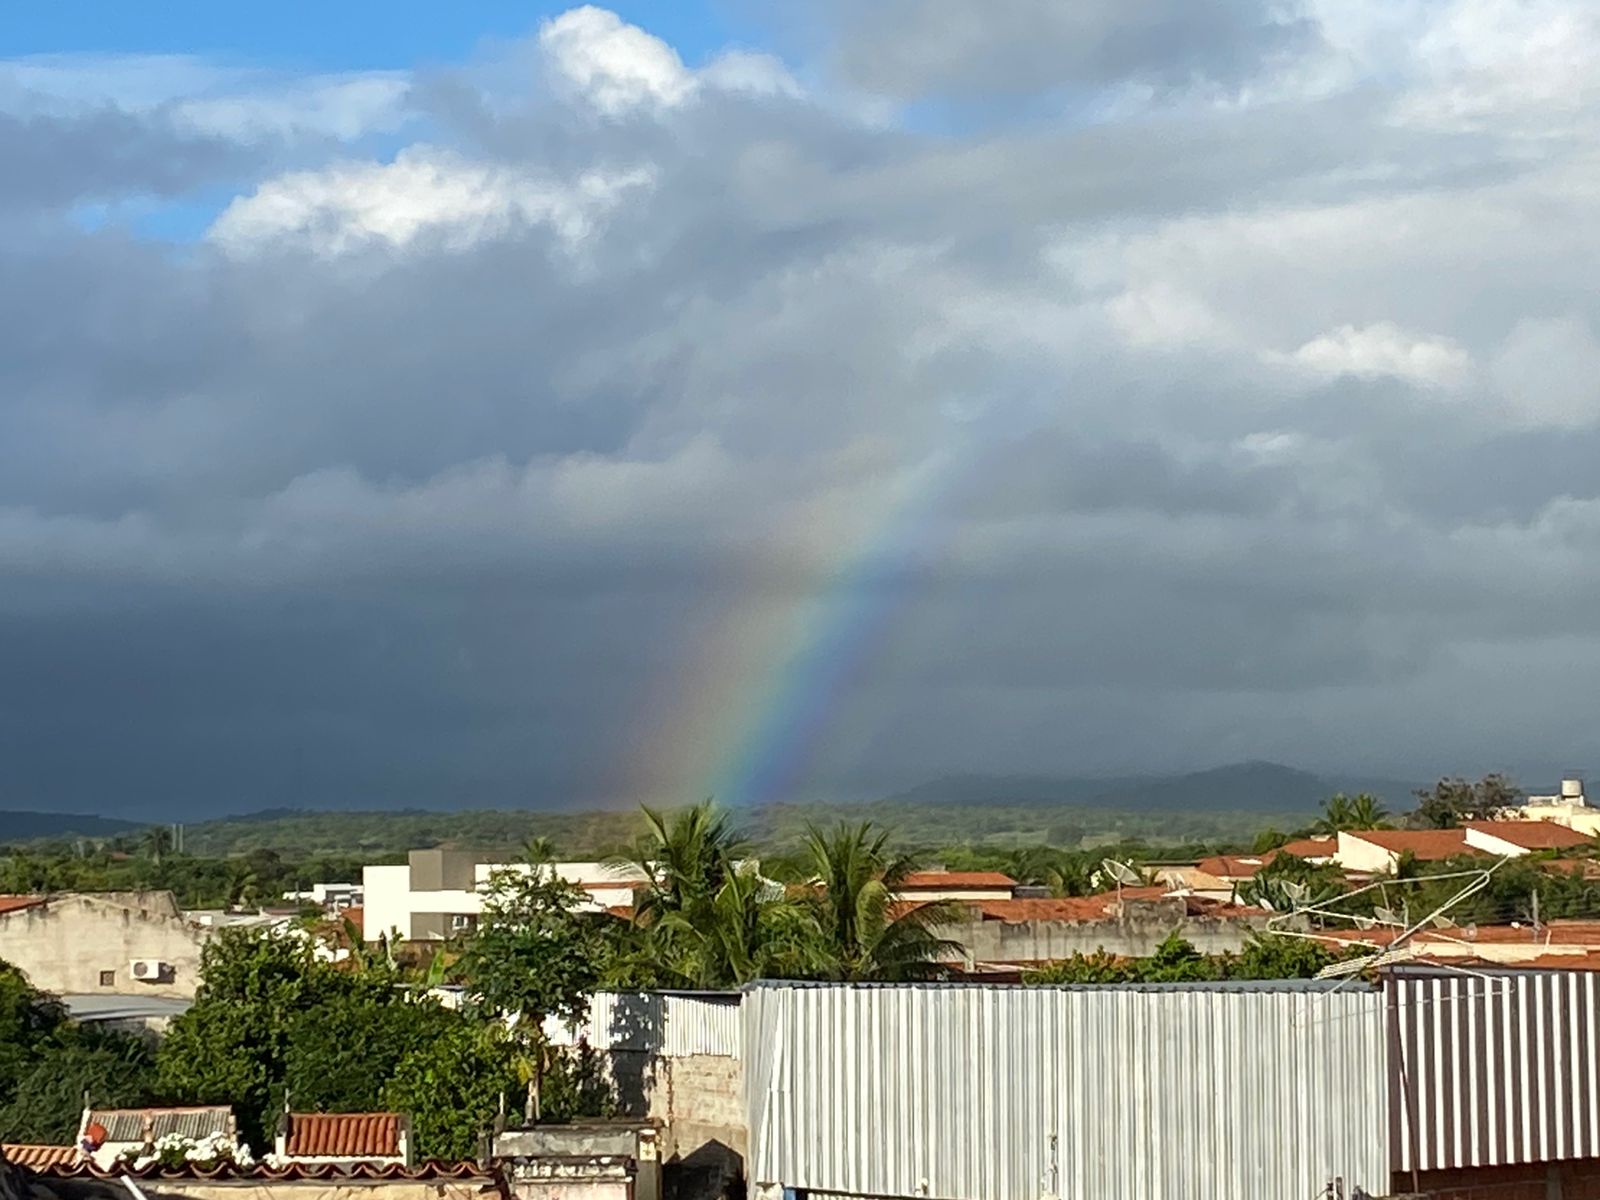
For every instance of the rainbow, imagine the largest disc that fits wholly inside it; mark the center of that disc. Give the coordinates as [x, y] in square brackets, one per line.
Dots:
[746, 715]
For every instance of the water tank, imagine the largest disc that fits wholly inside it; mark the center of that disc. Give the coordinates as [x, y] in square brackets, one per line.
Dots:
[1572, 791]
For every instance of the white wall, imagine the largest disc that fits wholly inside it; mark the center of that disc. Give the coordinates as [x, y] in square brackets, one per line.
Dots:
[1354, 854]
[388, 901]
[64, 944]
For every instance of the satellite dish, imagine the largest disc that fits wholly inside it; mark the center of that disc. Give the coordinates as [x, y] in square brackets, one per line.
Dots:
[1443, 922]
[1296, 891]
[1363, 922]
[1386, 915]
[1121, 872]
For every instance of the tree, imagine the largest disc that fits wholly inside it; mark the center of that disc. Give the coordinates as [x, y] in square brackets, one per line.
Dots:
[339, 1056]
[1341, 812]
[868, 932]
[233, 1045]
[1064, 872]
[534, 956]
[47, 1061]
[1453, 800]
[453, 1088]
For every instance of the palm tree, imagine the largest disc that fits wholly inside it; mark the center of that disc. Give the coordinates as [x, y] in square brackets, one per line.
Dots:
[157, 841]
[1064, 872]
[1340, 812]
[687, 857]
[867, 932]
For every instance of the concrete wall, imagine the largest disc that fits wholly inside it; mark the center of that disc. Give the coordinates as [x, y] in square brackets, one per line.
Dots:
[1137, 933]
[448, 1189]
[1357, 854]
[64, 944]
[698, 1100]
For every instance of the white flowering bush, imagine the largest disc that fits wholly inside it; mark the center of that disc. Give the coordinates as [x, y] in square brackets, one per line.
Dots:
[175, 1150]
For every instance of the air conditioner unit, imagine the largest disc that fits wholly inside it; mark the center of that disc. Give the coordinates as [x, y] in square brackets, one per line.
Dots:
[148, 970]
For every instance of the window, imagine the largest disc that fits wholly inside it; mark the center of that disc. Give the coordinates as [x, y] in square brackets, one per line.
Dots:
[462, 921]
[108, 979]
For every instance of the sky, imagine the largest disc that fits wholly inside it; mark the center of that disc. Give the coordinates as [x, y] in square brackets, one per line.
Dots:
[508, 404]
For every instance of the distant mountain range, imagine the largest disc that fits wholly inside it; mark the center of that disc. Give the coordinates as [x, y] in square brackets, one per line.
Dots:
[1239, 787]
[18, 826]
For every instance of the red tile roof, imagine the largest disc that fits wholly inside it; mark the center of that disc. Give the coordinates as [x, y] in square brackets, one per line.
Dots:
[1311, 847]
[1533, 835]
[938, 880]
[17, 903]
[344, 1135]
[357, 916]
[1233, 866]
[36, 1158]
[1427, 845]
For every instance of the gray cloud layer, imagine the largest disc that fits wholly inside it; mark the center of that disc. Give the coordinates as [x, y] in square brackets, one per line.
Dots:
[1249, 409]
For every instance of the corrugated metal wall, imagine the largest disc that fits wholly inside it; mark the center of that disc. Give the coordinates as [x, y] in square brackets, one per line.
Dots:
[983, 1093]
[1497, 1069]
[666, 1023]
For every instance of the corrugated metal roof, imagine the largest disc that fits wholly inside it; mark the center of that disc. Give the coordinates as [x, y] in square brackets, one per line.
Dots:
[676, 1025]
[38, 1157]
[135, 1124]
[344, 1135]
[1493, 1069]
[974, 1092]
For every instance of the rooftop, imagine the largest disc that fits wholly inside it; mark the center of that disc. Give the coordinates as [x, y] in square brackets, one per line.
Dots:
[132, 1124]
[37, 1158]
[1428, 845]
[1533, 835]
[17, 903]
[934, 880]
[344, 1135]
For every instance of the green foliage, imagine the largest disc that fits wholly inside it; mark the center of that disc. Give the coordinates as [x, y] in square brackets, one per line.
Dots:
[339, 1055]
[862, 936]
[453, 1088]
[1453, 800]
[258, 990]
[47, 1062]
[1265, 956]
[47, 1102]
[706, 920]
[1341, 812]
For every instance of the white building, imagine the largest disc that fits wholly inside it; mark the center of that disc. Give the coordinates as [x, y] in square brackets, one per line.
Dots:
[333, 898]
[1569, 807]
[439, 893]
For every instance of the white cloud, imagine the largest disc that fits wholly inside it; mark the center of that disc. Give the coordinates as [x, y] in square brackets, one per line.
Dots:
[1548, 372]
[424, 191]
[614, 65]
[1384, 349]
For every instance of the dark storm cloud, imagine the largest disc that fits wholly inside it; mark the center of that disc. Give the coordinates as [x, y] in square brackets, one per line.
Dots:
[516, 466]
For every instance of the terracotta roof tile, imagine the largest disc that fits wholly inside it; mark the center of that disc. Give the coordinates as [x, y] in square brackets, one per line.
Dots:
[1427, 845]
[18, 903]
[1311, 847]
[1533, 835]
[1233, 866]
[430, 1170]
[36, 1158]
[344, 1135]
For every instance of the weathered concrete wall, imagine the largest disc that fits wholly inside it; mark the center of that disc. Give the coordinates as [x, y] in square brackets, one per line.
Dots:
[1137, 934]
[66, 943]
[699, 1102]
[452, 1189]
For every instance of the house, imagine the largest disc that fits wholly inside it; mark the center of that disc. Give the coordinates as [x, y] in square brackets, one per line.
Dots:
[1569, 806]
[1511, 839]
[1378, 851]
[1219, 876]
[105, 1134]
[378, 1139]
[438, 894]
[114, 943]
[332, 898]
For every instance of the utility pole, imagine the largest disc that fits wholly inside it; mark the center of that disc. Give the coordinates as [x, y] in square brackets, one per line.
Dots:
[1535, 912]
